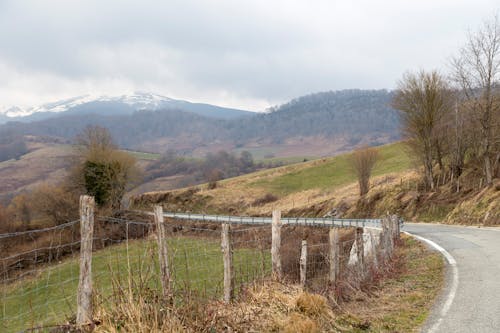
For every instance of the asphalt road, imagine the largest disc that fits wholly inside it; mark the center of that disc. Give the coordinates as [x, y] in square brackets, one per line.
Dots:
[470, 301]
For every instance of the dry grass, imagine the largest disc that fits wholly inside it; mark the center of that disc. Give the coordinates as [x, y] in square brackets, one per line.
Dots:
[312, 304]
[481, 208]
[399, 302]
[402, 300]
[46, 163]
[138, 314]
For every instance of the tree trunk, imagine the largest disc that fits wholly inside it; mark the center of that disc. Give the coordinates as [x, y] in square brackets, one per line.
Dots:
[428, 171]
[487, 169]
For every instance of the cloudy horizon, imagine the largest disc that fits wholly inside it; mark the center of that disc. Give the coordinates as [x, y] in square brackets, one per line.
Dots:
[246, 55]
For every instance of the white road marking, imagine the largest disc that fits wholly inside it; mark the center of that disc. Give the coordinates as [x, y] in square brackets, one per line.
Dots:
[454, 284]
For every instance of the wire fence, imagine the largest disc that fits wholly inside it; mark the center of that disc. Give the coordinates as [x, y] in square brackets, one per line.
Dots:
[204, 260]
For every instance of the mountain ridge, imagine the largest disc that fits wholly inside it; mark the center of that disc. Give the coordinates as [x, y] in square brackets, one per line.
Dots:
[116, 105]
[320, 124]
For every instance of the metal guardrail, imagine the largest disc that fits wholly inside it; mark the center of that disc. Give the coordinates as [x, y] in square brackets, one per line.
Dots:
[301, 221]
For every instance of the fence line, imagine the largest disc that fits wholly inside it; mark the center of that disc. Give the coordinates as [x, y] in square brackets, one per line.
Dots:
[183, 256]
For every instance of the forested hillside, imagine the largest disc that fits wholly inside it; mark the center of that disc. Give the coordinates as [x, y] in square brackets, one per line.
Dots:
[351, 117]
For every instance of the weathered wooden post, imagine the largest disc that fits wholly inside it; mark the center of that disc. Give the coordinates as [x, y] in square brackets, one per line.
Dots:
[383, 241]
[303, 263]
[387, 239]
[84, 296]
[334, 255]
[161, 237]
[397, 227]
[227, 255]
[360, 246]
[276, 245]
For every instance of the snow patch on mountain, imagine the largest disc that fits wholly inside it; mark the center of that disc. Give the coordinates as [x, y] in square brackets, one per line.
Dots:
[138, 100]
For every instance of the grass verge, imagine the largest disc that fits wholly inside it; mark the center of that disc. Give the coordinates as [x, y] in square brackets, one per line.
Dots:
[49, 297]
[400, 303]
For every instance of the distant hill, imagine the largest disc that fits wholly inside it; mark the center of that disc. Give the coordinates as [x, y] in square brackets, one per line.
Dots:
[118, 105]
[350, 113]
[314, 125]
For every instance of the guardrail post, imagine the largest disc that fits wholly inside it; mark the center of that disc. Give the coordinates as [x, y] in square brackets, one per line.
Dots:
[161, 236]
[84, 296]
[334, 252]
[227, 254]
[276, 245]
[303, 263]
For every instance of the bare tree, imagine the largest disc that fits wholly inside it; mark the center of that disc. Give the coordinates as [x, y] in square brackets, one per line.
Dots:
[477, 72]
[362, 161]
[424, 99]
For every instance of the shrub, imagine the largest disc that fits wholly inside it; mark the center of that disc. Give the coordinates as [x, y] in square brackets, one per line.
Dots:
[269, 197]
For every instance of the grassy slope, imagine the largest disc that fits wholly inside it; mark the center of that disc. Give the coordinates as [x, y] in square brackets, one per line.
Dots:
[333, 172]
[45, 163]
[328, 182]
[315, 187]
[50, 296]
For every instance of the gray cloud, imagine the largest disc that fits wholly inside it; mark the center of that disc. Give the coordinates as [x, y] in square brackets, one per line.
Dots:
[245, 54]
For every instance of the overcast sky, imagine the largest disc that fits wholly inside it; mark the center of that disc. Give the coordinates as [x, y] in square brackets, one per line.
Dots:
[246, 54]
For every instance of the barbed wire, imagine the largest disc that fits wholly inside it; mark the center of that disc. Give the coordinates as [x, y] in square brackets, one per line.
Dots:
[39, 284]
[27, 232]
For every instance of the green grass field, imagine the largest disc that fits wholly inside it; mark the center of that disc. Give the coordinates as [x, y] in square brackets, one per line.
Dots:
[196, 265]
[335, 172]
[143, 156]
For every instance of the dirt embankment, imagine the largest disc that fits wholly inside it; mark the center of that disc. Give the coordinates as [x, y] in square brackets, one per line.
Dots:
[398, 194]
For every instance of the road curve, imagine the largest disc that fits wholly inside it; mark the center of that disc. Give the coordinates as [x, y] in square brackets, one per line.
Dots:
[472, 304]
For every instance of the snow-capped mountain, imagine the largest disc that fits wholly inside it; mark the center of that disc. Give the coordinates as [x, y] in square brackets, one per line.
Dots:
[112, 105]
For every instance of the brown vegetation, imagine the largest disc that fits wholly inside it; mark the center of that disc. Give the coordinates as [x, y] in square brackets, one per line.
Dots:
[424, 100]
[456, 125]
[362, 161]
[101, 169]
[397, 302]
[476, 71]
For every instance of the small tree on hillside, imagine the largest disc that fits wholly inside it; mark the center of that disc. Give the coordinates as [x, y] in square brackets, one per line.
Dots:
[102, 170]
[362, 161]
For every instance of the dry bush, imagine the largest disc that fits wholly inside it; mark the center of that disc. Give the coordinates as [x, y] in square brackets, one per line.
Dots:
[298, 323]
[362, 161]
[139, 314]
[312, 304]
[213, 177]
[267, 198]
[55, 202]
[20, 209]
[5, 221]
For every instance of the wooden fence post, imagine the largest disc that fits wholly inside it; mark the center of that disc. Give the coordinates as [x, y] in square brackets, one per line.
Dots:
[227, 254]
[397, 231]
[383, 241]
[303, 263]
[276, 245]
[334, 252]
[387, 238]
[161, 237]
[360, 246]
[84, 296]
